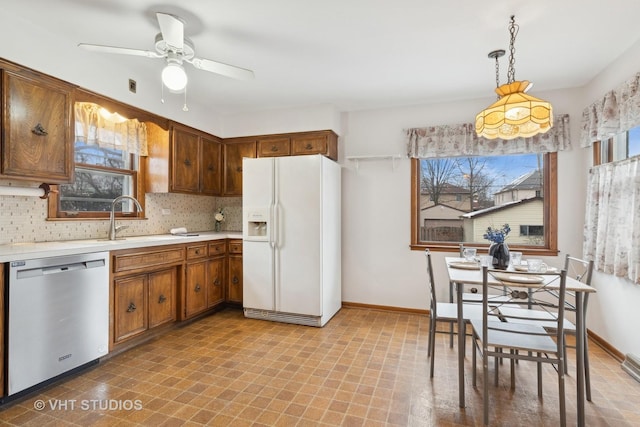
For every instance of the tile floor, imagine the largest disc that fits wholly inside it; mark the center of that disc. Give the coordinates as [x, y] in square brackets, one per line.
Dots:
[365, 368]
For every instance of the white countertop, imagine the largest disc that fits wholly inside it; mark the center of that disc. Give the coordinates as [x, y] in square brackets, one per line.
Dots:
[31, 250]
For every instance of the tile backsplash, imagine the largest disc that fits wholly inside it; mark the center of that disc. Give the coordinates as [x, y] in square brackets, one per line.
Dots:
[24, 219]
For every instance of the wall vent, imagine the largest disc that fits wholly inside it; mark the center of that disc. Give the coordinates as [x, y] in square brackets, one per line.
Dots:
[631, 365]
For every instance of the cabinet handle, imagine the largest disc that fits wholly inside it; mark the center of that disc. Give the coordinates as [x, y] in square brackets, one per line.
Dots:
[187, 162]
[211, 168]
[197, 288]
[216, 282]
[308, 147]
[274, 148]
[162, 298]
[239, 169]
[39, 130]
[235, 280]
[132, 307]
[197, 251]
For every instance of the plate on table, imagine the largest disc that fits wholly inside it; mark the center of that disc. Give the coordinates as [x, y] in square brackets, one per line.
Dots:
[465, 265]
[518, 278]
[525, 268]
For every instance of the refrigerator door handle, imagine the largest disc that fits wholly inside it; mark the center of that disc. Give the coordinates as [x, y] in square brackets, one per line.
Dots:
[272, 226]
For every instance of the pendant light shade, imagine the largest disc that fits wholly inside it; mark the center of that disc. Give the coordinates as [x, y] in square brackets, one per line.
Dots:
[515, 114]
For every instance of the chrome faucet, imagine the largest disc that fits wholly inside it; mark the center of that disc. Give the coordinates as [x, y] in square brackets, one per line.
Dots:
[112, 217]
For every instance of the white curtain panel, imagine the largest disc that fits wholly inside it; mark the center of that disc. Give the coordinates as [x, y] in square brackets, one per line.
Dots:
[617, 112]
[92, 128]
[461, 140]
[612, 223]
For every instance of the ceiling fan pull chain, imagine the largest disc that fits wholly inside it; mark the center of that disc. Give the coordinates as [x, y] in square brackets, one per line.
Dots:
[185, 108]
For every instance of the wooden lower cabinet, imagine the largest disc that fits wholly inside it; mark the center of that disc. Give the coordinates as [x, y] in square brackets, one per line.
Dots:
[162, 297]
[215, 281]
[234, 279]
[195, 295]
[130, 307]
[143, 301]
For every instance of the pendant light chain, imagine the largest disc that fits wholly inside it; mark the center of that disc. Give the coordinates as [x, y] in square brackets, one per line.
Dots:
[513, 31]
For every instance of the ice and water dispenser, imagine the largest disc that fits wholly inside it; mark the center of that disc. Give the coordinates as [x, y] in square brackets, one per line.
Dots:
[256, 226]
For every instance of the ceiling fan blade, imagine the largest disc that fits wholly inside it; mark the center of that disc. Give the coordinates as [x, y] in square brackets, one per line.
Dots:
[172, 30]
[119, 50]
[222, 69]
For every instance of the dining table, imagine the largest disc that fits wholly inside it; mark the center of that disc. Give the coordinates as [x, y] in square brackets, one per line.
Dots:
[462, 274]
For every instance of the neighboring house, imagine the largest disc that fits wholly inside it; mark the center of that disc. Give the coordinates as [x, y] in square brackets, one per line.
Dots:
[528, 228]
[526, 186]
[450, 195]
[441, 223]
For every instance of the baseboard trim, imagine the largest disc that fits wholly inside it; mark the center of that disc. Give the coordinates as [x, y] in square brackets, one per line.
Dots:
[384, 307]
[617, 354]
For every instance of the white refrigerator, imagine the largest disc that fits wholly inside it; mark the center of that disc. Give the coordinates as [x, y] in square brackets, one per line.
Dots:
[291, 239]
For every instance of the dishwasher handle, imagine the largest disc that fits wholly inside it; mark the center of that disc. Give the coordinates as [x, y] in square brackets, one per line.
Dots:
[55, 269]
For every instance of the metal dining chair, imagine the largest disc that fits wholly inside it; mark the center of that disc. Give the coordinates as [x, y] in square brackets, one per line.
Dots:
[522, 335]
[443, 312]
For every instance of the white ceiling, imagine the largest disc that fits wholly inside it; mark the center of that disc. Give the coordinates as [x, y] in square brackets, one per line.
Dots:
[352, 54]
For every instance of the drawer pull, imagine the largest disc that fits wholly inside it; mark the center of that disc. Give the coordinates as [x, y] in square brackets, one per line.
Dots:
[239, 169]
[211, 168]
[274, 148]
[235, 280]
[216, 282]
[197, 251]
[39, 130]
[162, 299]
[187, 162]
[132, 307]
[197, 288]
[308, 147]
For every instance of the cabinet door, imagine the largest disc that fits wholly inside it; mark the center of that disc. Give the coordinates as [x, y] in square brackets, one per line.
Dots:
[215, 281]
[309, 145]
[234, 284]
[233, 155]
[130, 301]
[37, 129]
[162, 297]
[273, 147]
[195, 293]
[211, 170]
[185, 164]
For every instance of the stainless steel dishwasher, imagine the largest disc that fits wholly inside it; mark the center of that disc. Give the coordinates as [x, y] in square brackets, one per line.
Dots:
[58, 316]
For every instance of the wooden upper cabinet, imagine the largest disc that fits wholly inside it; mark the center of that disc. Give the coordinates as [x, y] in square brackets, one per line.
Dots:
[324, 142]
[273, 147]
[233, 154]
[185, 165]
[37, 113]
[183, 160]
[211, 170]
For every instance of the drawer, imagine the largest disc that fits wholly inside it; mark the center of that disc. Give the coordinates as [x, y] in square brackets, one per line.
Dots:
[309, 145]
[274, 147]
[152, 258]
[197, 251]
[235, 246]
[217, 248]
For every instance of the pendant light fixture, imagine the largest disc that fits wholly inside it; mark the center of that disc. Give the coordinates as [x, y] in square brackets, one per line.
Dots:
[515, 114]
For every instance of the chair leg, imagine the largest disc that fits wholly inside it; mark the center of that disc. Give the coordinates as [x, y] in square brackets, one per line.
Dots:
[587, 377]
[473, 360]
[561, 397]
[512, 364]
[432, 346]
[431, 323]
[540, 376]
[485, 386]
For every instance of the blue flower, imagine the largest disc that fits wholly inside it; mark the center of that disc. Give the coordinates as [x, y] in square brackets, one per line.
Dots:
[497, 235]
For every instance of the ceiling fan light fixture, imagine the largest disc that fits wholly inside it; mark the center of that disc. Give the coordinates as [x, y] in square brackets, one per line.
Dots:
[174, 77]
[515, 114]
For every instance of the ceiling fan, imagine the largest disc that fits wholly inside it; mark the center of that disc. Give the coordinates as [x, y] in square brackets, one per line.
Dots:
[175, 48]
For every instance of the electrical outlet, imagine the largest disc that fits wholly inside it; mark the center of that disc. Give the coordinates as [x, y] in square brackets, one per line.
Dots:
[166, 211]
[132, 85]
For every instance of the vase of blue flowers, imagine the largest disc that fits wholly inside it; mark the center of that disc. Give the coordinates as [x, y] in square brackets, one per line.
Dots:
[499, 250]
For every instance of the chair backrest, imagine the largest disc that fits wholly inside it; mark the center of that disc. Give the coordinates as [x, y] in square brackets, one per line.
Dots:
[432, 287]
[579, 269]
[547, 314]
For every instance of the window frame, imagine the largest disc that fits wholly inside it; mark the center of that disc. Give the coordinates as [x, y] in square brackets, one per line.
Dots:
[550, 188]
[54, 212]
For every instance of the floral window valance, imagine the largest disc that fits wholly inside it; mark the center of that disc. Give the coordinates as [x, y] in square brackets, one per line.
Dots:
[93, 128]
[618, 111]
[462, 140]
[612, 222]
